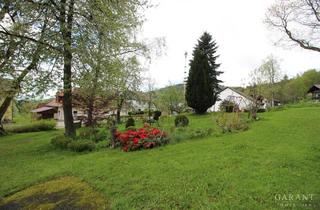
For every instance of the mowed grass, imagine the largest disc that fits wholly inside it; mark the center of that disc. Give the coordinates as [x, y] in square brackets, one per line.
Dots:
[280, 154]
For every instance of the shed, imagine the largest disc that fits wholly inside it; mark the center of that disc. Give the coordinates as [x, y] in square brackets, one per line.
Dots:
[315, 91]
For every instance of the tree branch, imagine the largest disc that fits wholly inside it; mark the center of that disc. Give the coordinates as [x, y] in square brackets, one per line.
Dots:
[301, 43]
[7, 33]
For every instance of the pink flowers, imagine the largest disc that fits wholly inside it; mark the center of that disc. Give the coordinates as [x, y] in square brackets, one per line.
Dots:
[146, 137]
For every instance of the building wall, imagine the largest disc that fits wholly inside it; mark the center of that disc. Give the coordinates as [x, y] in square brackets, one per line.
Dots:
[60, 115]
[242, 101]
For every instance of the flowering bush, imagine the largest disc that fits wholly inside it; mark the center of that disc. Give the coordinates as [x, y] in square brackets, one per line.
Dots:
[146, 137]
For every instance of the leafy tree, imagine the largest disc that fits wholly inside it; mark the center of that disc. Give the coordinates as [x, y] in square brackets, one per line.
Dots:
[255, 91]
[22, 59]
[270, 74]
[170, 98]
[61, 24]
[126, 83]
[202, 87]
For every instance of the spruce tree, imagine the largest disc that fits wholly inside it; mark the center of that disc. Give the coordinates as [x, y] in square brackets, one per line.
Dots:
[202, 87]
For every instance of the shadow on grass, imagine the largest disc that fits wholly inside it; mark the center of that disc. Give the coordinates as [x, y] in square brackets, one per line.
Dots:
[61, 193]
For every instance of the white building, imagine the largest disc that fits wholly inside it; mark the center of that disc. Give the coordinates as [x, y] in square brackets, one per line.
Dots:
[230, 94]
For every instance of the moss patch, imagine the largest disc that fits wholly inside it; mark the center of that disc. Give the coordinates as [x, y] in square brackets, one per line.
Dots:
[63, 193]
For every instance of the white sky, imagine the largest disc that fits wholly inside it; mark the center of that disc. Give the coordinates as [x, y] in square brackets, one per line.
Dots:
[238, 28]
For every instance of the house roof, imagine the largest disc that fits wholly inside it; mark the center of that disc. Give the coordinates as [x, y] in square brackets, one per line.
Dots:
[314, 88]
[53, 103]
[42, 109]
[240, 93]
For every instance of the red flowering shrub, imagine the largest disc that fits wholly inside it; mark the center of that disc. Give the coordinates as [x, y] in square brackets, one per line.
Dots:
[146, 137]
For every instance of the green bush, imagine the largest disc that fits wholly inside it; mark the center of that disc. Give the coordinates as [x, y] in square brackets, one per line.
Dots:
[41, 125]
[64, 142]
[87, 132]
[81, 145]
[231, 123]
[130, 122]
[185, 133]
[181, 121]
[61, 141]
[102, 145]
[156, 115]
[94, 134]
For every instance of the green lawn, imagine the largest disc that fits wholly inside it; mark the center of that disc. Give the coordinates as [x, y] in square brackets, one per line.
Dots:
[280, 154]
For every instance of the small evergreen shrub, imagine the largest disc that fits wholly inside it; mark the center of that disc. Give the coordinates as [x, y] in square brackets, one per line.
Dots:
[130, 122]
[181, 121]
[61, 141]
[41, 125]
[156, 115]
[81, 145]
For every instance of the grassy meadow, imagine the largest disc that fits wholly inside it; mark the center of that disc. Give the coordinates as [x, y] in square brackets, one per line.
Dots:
[278, 155]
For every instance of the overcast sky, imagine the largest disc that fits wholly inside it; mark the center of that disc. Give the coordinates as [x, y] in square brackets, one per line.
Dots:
[238, 28]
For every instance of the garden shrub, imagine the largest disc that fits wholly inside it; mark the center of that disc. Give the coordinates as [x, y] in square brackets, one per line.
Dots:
[184, 133]
[81, 145]
[87, 132]
[94, 134]
[130, 122]
[142, 138]
[156, 115]
[61, 141]
[232, 123]
[102, 144]
[41, 125]
[181, 121]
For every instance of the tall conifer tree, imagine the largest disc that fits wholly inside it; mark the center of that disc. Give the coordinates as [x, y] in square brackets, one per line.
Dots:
[202, 84]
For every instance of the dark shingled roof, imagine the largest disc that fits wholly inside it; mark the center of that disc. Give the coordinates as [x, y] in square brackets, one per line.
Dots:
[314, 88]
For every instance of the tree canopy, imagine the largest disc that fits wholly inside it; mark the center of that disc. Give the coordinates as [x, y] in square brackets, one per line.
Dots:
[202, 86]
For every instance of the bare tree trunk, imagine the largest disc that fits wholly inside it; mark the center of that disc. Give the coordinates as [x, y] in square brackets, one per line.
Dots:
[113, 130]
[90, 111]
[66, 29]
[119, 107]
[4, 107]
